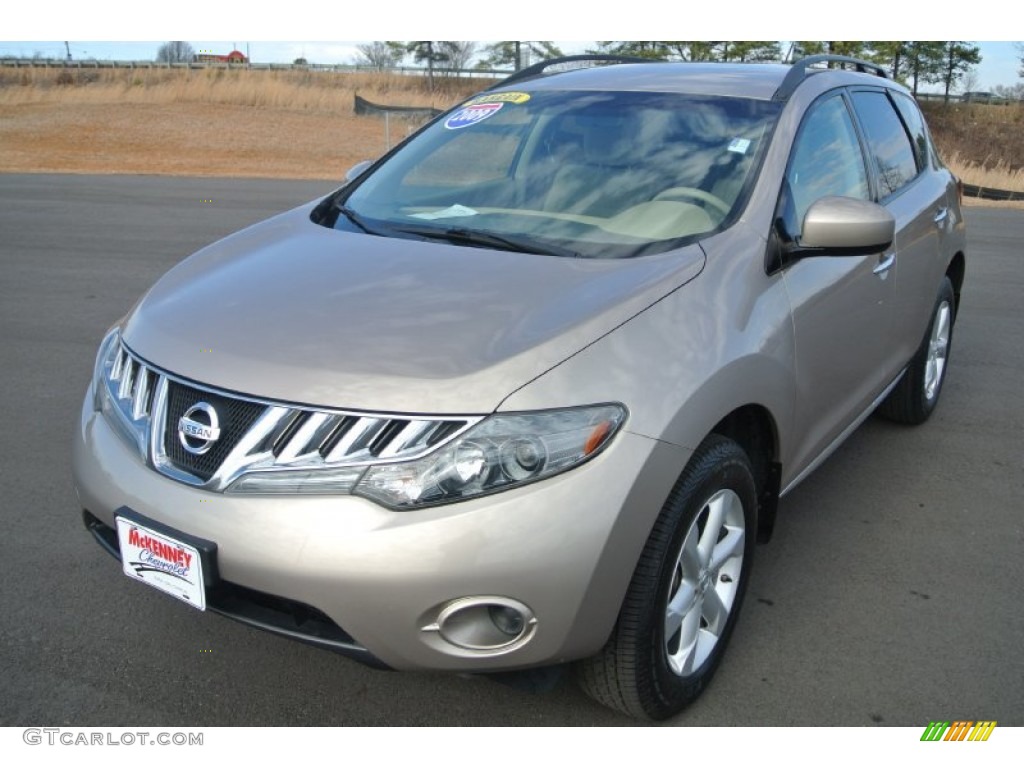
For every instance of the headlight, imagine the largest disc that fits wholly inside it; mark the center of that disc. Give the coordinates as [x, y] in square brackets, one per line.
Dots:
[104, 360]
[501, 452]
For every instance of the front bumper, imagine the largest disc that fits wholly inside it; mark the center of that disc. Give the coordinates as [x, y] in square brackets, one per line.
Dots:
[565, 547]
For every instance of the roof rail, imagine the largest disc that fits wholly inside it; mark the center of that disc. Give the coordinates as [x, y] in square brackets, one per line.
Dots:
[598, 58]
[802, 70]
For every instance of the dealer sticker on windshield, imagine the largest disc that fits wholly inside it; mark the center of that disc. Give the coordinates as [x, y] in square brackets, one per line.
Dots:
[739, 145]
[471, 115]
[507, 97]
[162, 562]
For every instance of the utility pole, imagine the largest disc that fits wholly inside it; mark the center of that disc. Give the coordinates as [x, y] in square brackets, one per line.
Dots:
[68, 49]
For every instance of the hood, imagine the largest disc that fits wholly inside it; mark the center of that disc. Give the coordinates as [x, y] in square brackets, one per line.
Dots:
[290, 310]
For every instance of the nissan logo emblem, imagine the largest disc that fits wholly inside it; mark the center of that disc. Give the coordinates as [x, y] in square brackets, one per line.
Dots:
[199, 428]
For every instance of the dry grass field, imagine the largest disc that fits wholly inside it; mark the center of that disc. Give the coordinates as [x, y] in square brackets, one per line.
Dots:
[203, 122]
[981, 143]
[293, 124]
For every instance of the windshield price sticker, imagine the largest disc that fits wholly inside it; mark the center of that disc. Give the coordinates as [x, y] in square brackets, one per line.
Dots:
[471, 115]
[508, 97]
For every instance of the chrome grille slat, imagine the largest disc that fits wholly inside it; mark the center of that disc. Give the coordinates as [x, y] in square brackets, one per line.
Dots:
[304, 442]
[141, 393]
[364, 428]
[340, 426]
[410, 436]
[244, 456]
[124, 389]
[305, 438]
[115, 370]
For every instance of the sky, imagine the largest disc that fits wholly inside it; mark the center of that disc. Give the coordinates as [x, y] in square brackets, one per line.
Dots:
[217, 26]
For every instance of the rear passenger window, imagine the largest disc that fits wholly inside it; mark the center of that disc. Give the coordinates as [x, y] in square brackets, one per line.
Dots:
[915, 125]
[888, 143]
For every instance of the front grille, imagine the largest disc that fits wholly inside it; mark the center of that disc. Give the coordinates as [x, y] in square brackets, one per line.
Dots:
[235, 417]
[147, 406]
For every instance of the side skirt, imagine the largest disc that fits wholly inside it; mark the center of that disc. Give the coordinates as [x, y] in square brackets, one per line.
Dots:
[841, 437]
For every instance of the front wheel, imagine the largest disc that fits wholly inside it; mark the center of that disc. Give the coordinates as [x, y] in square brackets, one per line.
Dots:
[686, 592]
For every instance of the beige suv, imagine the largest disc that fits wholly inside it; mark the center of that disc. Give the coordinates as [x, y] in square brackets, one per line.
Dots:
[526, 390]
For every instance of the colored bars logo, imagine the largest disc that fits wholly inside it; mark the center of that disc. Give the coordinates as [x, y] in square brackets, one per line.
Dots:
[960, 730]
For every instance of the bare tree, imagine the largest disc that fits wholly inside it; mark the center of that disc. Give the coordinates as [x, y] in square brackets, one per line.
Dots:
[1009, 92]
[381, 54]
[457, 54]
[970, 80]
[1020, 52]
[175, 52]
[515, 52]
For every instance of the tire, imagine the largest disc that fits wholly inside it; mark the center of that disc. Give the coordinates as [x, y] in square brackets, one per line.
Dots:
[917, 394]
[683, 589]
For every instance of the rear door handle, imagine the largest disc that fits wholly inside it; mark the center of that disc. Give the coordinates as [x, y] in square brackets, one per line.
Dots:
[885, 264]
[940, 215]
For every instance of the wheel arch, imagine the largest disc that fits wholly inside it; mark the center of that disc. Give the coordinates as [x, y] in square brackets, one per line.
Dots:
[753, 428]
[956, 271]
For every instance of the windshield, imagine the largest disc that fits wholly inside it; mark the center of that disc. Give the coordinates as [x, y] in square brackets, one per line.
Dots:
[589, 173]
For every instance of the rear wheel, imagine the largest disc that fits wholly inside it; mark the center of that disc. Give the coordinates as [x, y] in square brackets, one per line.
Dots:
[686, 592]
[917, 394]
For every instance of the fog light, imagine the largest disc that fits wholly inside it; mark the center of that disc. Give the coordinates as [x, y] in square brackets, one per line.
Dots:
[484, 625]
[508, 620]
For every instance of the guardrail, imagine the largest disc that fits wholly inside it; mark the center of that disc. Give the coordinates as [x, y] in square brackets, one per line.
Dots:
[988, 193]
[968, 98]
[112, 64]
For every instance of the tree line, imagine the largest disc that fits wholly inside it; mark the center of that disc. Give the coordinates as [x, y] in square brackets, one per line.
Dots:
[913, 62]
[444, 57]
[916, 63]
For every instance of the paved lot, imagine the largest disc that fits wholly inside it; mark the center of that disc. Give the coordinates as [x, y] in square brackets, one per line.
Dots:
[891, 592]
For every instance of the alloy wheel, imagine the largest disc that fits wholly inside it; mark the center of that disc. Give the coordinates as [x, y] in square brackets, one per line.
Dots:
[705, 579]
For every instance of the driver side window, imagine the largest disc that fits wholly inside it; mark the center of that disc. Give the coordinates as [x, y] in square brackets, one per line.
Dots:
[826, 160]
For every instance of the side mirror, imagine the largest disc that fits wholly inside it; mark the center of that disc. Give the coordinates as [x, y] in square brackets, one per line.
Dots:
[357, 170]
[846, 226]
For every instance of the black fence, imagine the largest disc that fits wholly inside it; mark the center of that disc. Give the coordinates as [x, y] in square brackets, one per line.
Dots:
[364, 107]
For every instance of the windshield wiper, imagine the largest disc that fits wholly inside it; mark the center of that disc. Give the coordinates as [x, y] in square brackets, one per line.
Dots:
[358, 220]
[464, 236]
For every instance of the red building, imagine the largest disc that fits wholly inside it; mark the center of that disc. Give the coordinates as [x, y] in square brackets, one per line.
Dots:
[235, 57]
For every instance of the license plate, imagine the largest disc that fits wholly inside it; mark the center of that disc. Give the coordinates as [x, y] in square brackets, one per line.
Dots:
[162, 562]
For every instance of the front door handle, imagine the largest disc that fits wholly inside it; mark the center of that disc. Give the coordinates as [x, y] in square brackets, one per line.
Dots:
[885, 264]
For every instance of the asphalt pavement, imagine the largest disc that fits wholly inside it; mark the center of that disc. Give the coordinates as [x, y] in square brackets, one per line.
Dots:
[891, 593]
